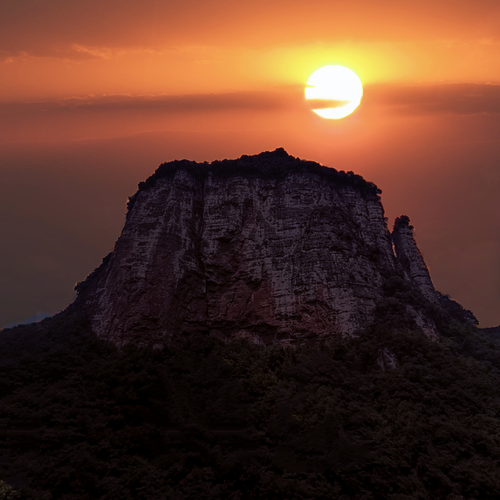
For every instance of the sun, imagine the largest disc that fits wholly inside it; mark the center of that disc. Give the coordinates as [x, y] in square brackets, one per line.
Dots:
[334, 91]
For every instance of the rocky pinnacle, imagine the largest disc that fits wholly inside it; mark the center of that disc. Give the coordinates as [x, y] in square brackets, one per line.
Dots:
[411, 259]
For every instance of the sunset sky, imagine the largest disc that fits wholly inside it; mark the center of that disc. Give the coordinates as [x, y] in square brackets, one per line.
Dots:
[95, 94]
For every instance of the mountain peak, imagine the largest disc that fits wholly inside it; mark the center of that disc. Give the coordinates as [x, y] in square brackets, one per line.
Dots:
[268, 164]
[267, 247]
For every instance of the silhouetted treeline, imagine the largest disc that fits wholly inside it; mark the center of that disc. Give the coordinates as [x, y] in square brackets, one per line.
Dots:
[269, 164]
[81, 419]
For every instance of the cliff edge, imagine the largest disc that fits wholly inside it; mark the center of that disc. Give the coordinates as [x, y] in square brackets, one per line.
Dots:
[266, 247]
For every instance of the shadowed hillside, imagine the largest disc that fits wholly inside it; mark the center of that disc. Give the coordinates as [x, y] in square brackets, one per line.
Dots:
[388, 415]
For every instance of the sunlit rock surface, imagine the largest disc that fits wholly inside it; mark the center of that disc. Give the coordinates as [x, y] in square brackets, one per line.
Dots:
[267, 247]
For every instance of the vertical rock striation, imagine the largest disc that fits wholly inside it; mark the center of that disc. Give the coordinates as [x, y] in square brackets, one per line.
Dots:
[411, 259]
[267, 247]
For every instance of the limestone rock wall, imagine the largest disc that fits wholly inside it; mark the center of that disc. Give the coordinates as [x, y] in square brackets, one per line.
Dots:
[411, 259]
[267, 247]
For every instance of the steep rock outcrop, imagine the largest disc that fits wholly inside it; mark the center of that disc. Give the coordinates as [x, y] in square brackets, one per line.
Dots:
[411, 259]
[267, 247]
[456, 310]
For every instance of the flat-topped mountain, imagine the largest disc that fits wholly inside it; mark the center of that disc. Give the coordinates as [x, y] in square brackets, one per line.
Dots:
[266, 247]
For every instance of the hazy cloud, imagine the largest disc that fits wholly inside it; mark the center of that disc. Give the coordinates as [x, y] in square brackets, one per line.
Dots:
[34, 26]
[252, 100]
[77, 52]
[457, 98]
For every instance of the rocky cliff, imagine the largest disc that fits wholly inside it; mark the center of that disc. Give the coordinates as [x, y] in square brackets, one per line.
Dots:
[410, 258]
[267, 247]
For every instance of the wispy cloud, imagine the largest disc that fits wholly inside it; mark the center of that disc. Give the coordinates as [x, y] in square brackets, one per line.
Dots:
[455, 98]
[252, 100]
[78, 52]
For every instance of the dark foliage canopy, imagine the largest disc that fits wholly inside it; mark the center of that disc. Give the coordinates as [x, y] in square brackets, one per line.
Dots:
[275, 164]
[81, 419]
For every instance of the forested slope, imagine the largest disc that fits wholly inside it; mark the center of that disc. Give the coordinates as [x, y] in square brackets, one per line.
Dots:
[81, 419]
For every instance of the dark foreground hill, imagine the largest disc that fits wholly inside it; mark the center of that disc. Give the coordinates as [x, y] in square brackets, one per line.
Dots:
[83, 419]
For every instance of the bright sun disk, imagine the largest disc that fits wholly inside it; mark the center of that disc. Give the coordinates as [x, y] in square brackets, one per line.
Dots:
[337, 91]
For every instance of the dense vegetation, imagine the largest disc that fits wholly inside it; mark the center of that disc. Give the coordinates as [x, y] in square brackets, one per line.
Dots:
[269, 164]
[81, 419]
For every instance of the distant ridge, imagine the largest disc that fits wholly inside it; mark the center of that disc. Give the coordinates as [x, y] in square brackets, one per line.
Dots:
[40, 316]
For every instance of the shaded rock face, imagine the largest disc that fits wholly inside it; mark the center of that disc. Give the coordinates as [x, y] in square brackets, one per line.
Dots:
[268, 247]
[410, 258]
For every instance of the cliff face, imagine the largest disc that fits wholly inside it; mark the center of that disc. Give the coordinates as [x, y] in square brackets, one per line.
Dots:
[267, 247]
[411, 259]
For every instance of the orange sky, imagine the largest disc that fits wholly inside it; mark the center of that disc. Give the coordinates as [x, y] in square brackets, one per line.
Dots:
[95, 94]
[53, 49]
